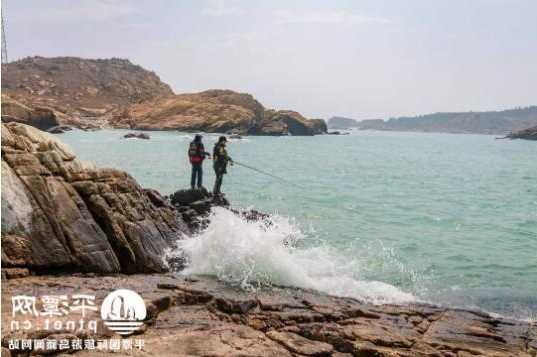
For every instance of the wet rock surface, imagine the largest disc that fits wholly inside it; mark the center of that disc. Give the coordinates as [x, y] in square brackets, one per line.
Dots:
[199, 316]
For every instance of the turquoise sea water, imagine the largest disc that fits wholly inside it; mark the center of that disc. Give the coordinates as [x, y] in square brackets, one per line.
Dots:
[387, 216]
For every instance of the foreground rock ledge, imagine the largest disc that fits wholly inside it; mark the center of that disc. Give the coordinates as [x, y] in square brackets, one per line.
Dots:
[199, 316]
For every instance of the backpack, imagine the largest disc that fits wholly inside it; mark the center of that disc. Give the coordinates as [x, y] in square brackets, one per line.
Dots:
[194, 153]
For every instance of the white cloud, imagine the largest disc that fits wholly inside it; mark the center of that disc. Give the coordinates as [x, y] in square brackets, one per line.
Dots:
[217, 8]
[326, 17]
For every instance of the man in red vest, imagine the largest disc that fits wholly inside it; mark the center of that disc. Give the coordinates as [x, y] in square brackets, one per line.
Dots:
[196, 154]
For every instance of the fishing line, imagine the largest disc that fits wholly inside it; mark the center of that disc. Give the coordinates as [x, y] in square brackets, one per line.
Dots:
[266, 173]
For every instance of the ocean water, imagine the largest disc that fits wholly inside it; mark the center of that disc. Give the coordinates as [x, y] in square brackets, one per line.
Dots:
[383, 216]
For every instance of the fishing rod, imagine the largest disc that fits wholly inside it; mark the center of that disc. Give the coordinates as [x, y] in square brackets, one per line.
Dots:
[266, 173]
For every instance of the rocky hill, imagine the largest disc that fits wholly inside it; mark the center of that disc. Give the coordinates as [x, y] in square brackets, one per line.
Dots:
[499, 122]
[84, 90]
[100, 92]
[215, 111]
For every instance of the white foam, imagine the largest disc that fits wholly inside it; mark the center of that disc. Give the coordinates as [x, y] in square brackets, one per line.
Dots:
[253, 253]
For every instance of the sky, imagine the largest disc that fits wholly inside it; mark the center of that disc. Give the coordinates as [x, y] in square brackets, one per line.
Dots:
[361, 58]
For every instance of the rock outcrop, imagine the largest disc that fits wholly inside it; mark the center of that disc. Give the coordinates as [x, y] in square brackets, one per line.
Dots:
[216, 111]
[198, 316]
[283, 122]
[527, 134]
[14, 111]
[59, 213]
[86, 91]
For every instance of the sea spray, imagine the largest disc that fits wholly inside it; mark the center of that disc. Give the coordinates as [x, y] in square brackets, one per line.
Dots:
[263, 253]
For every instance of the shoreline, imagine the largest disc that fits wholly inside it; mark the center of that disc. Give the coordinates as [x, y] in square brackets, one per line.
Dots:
[67, 217]
[199, 315]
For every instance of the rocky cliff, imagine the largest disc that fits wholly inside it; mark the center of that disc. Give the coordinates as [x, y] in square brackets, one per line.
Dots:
[85, 90]
[216, 111]
[59, 213]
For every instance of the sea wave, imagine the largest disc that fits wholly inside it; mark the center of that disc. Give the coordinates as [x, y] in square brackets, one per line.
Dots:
[264, 253]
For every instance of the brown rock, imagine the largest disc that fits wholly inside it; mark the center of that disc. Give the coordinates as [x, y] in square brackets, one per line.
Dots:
[14, 273]
[183, 321]
[299, 344]
[81, 92]
[14, 111]
[60, 212]
[217, 111]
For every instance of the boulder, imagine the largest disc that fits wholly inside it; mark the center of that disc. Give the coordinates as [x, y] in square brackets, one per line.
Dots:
[59, 129]
[61, 213]
[137, 136]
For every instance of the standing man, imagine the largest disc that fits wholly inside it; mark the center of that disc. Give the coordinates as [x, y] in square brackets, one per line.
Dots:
[220, 161]
[196, 154]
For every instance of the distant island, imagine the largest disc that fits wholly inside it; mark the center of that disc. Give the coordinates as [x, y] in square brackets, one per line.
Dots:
[491, 122]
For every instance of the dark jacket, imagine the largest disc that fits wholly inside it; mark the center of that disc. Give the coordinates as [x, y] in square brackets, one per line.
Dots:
[220, 158]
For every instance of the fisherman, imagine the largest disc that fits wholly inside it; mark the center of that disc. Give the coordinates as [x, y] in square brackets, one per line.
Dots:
[220, 161]
[196, 154]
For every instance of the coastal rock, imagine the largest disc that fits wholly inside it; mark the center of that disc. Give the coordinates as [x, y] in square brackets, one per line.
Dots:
[284, 122]
[14, 111]
[301, 345]
[187, 197]
[200, 316]
[61, 213]
[216, 111]
[59, 129]
[527, 134]
[137, 136]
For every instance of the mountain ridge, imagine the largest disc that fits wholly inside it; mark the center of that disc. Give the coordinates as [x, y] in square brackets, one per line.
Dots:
[485, 122]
